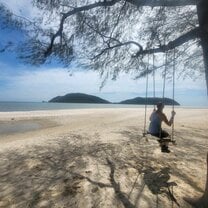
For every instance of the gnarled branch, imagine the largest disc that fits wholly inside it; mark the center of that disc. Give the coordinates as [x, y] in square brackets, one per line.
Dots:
[193, 34]
[105, 3]
[72, 12]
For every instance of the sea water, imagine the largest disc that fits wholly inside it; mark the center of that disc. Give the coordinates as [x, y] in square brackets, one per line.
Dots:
[36, 106]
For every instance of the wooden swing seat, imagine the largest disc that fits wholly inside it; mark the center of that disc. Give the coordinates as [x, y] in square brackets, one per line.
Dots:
[160, 140]
[166, 140]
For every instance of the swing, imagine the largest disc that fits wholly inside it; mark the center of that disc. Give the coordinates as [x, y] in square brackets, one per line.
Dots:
[145, 132]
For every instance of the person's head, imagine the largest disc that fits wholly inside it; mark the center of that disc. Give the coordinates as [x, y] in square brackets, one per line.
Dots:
[160, 106]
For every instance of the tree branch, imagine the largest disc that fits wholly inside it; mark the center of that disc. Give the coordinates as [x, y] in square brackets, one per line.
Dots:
[72, 12]
[101, 34]
[118, 19]
[193, 34]
[116, 46]
[165, 3]
[113, 39]
[105, 3]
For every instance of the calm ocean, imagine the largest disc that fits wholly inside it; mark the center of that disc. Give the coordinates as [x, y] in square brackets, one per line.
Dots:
[36, 106]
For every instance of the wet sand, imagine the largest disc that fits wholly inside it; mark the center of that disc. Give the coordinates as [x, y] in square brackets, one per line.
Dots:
[98, 158]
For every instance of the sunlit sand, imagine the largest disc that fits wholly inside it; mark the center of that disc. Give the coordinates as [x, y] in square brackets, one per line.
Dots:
[98, 158]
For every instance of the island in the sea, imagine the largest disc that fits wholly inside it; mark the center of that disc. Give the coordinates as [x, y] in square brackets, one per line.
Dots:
[149, 101]
[78, 98]
[85, 98]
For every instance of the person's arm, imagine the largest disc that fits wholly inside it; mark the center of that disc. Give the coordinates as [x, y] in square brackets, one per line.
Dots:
[164, 118]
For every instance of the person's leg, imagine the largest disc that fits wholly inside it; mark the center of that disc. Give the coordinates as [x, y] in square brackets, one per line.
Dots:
[164, 134]
[164, 144]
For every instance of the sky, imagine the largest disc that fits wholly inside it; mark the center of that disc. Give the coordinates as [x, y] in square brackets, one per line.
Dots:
[21, 82]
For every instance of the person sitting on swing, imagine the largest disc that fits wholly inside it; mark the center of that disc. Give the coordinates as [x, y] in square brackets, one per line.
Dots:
[156, 119]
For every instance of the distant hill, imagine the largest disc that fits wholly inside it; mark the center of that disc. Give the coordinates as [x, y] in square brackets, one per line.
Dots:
[77, 98]
[85, 98]
[150, 101]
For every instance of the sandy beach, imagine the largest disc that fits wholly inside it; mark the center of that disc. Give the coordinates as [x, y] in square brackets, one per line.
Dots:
[97, 158]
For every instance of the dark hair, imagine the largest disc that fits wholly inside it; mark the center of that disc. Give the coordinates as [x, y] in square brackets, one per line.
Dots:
[160, 104]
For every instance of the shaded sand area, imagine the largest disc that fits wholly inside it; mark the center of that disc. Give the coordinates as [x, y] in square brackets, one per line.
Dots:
[97, 158]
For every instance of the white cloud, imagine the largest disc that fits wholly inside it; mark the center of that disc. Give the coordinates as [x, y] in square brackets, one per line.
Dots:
[47, 83]
[21, 7]
[43, 85]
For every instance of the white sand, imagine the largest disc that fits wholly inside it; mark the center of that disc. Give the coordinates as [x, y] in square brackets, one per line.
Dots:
[98, 158]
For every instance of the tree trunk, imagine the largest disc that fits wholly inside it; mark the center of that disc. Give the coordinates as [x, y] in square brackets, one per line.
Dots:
[202, 12]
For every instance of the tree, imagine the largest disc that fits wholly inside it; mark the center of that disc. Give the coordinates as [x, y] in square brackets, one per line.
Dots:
[118, 35]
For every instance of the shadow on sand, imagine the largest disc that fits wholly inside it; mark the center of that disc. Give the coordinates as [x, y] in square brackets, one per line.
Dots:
[57, 175]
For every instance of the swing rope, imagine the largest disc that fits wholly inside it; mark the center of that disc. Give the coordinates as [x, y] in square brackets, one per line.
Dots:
[164, 77]
[147, 83]
[164, 82]
[153, 76]
[173, 95]
[163, 92]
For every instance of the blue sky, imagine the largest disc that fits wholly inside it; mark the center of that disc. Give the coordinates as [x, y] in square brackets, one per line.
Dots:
[20, 82]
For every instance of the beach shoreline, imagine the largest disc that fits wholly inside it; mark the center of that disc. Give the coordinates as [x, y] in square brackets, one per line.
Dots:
[98, 157]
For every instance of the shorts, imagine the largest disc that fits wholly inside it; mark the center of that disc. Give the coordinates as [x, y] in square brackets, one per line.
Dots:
[162, 134]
